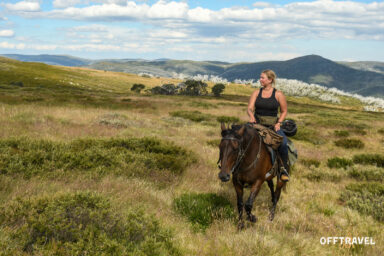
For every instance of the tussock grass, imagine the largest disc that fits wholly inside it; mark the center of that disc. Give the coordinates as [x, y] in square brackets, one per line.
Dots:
[78, 224]
[202, 209]
[339, 162]
[341, 133]
[195, 116]
[131, 157]
[367, 198]
[349, 143]
[310, 162]
[367, 174]
[373, 159]
[307, 134]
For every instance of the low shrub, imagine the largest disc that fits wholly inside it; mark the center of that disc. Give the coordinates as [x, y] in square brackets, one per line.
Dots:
[373, 174]
[373, 159]
[318, 176]
[341, 133]
[131, 157]
[366, 198]
[310, 162]
[349, 143]
[227, 119]
[339, 162]
[83, 223]
[202, 209]
[195, 116]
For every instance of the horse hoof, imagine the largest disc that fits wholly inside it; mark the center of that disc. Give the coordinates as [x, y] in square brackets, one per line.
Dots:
[271, 216]
[240, 225]
[252, 218]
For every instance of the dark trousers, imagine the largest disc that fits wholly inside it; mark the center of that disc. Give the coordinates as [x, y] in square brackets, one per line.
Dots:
[283, 149]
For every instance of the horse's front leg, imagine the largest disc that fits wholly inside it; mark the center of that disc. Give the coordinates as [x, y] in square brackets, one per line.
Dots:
[239, 193]
[249, 204]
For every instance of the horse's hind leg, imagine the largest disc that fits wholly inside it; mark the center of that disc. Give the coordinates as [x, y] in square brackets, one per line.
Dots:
[249, 204]
[240, 206]
[279, 186]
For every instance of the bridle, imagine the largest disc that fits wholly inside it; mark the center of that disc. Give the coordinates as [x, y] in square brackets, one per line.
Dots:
[241, 153]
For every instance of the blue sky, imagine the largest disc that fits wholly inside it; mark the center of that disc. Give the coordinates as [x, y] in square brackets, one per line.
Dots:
[234, 31]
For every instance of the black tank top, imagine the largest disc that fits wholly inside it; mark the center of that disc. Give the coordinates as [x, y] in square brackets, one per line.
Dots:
[266, 106]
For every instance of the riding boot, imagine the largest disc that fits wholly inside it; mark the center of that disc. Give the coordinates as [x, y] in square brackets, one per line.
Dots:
[284, 175]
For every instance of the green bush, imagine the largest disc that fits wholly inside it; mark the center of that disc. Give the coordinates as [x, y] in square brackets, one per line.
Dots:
[131, 157]
[227, 119]
[341, 133]
[367, 198]
[217, 89]
[195, 116]
[349, 143]
[339, 162]
[374, 159]
[310, 162]
[81, 223]
[202, 209]
[373, 174]
[137, 88]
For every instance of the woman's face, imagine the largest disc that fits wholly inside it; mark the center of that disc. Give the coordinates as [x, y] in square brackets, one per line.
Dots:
[264, 80]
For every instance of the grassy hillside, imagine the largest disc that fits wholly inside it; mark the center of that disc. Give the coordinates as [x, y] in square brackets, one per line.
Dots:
[87, 166]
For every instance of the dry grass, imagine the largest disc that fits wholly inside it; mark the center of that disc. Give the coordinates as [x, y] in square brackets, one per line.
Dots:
[308, 211]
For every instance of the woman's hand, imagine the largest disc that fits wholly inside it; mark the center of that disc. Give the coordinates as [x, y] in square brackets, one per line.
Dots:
[277, 126]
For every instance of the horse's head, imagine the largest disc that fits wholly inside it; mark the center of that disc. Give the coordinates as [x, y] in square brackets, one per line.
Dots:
[230, 146]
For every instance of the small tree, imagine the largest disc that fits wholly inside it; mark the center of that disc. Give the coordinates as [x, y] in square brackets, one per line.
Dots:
[195, 88]
[137, 87]
[217, 89]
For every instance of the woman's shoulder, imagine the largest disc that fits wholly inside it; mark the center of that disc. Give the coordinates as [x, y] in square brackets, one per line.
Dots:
[278, 92]
[256, 92]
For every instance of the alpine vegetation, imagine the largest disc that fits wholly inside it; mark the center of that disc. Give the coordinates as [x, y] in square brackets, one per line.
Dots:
[293, 87]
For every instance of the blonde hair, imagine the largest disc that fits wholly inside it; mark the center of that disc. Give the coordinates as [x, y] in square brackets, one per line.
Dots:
[271, 75]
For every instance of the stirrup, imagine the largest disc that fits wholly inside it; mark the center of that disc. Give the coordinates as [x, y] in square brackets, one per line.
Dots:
[284, 176]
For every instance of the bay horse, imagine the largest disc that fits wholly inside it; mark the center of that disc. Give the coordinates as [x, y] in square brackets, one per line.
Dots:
[244, 155]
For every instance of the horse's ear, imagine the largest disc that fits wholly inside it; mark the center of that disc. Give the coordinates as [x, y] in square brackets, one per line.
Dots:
[241, 131]
[223, 127]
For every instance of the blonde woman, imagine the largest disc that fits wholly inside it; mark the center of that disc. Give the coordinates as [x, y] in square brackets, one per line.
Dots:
[263, 109]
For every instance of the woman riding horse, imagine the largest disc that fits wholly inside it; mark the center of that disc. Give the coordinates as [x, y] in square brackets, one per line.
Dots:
[263, 108]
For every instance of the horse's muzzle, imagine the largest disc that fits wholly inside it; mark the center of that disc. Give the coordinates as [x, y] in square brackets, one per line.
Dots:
[224, 177]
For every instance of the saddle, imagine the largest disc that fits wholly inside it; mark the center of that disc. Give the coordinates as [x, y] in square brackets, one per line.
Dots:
[270, 137]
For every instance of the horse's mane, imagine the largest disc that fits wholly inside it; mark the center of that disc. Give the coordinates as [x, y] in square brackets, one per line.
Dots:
[234, 128]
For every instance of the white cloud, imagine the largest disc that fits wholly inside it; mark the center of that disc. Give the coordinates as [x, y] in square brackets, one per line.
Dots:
[7, 33]
[7, 45]
[66, 3]
[24, 6]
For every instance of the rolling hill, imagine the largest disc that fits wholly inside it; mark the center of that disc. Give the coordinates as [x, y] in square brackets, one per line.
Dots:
[309, 69]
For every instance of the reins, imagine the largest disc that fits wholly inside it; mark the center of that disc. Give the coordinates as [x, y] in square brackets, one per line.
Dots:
[241, 153]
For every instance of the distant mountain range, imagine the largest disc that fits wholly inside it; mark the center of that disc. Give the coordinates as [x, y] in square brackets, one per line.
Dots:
[364, 78]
